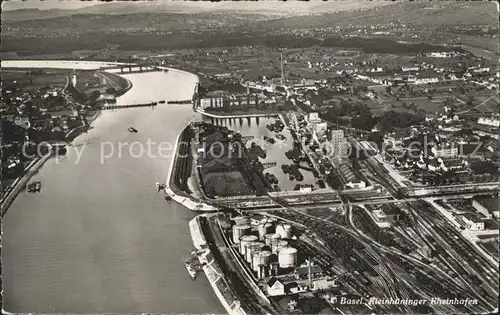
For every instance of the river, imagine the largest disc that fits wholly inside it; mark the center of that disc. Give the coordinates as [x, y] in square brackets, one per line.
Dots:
[98, 238]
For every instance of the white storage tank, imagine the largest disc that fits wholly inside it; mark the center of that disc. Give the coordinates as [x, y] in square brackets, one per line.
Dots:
[239, 231]
[256, 246]
[284, 230]
[271, 239]
[265, 220]
[246, 241]
[288, 230]
[241, 220]
[260, 258]
[279, 245]
[264, 228]
[287, 257]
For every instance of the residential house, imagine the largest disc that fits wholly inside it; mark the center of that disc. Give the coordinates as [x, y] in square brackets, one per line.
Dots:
[320, 129]
[62, 112]
[397, 138]
[489, 121]
[427, 77]
[445, 150]
[452, 164]
[410, 68]
[275, 287]
[433, 164]
[314, 118]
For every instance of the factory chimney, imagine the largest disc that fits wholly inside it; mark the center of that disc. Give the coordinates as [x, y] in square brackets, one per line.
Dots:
[309, 272]
[282, 73]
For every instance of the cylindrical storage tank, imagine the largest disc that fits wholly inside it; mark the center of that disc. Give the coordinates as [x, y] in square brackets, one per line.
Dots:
[274, 269]
[241, 220]
[287, 257]
[272, 220]
[288, 231]
[256, 246]
[239, 231]
[280, 244]
[284, 230]
[271, 239]
[279, 229]
[246, 241]
[260, 258]
[263, 272]
[264, 228]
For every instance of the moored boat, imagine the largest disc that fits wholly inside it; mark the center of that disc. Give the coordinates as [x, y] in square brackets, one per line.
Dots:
[191, 271]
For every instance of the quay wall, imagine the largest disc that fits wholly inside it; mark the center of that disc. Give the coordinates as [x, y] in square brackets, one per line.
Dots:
[200, 242]
[186, 201]
[20, 182]
[196, 233]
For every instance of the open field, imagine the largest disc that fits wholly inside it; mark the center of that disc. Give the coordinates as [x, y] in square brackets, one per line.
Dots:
[39, 78]
[223, 184]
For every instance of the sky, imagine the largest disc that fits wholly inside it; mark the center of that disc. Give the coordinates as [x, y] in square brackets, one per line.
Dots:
[45, 5]
[244, 5]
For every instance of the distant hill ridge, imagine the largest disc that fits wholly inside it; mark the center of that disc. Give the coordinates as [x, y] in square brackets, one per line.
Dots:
[300, 15]
[414, 13]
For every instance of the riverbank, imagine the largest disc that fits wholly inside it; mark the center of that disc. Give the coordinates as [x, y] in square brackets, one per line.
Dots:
[51, 267]
[119, 83]
[213, 271]
[18, 185]
[178, 196]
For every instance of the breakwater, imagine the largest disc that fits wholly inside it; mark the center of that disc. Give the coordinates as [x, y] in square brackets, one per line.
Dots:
[121, 84]
[107, 107]
[180, 102]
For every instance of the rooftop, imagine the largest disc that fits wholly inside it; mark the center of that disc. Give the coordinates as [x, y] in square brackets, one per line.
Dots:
[474, 217]
[390, 209]
[489, 203]
[305, 270]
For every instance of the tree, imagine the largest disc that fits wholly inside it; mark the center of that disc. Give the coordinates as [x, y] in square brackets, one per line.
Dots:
[470, 101]
[111, 91]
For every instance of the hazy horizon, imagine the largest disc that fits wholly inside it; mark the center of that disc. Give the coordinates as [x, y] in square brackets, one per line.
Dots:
[276, 6]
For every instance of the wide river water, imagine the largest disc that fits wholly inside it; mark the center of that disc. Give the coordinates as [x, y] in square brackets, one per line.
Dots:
[98, 238]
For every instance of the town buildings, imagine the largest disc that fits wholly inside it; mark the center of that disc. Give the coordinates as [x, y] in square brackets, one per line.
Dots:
[492, 121]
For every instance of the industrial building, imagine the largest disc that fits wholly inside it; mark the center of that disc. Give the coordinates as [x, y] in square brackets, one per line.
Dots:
[265, 246]
[338, 143]
[350, 179]
[471, 221]
[387, 213]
